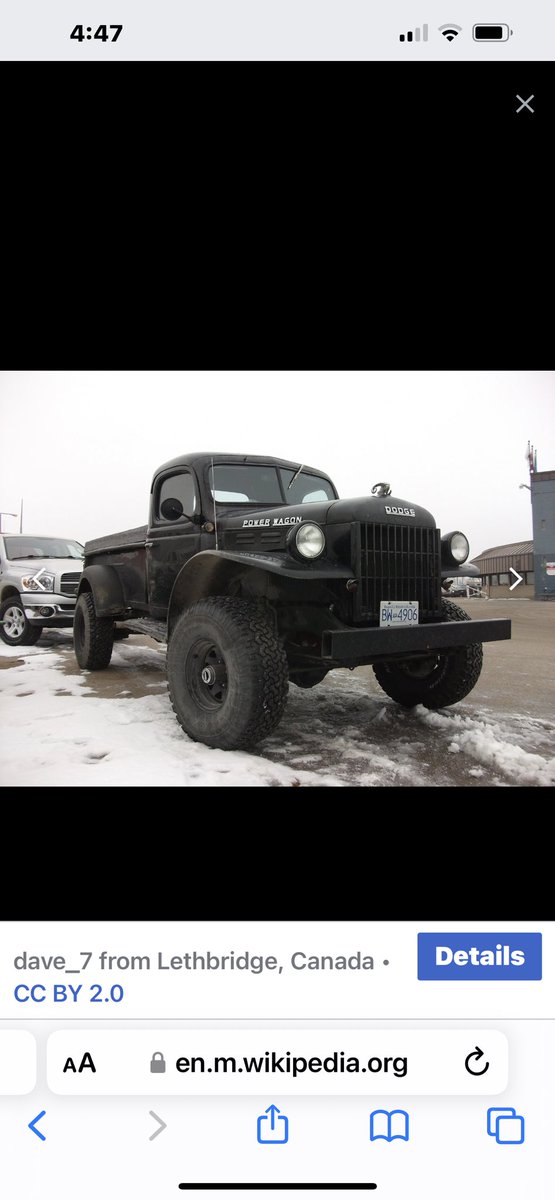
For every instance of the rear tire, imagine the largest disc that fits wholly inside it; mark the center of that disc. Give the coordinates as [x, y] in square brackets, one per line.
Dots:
[93, 637]
[227, 673]
[17, 631]
[437, 681]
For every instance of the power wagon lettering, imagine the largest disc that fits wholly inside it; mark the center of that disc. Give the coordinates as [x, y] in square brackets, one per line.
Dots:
[276, 521]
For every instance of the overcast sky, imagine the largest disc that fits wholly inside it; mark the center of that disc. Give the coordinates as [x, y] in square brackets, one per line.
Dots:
[81, 447]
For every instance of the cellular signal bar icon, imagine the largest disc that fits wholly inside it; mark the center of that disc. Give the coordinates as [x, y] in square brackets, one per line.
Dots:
[414, 36]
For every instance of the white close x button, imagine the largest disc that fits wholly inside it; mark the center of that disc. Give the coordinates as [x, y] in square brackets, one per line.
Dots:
[525, 104]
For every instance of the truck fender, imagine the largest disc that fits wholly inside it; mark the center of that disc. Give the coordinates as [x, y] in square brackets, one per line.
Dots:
[210, 573]
[105, 585]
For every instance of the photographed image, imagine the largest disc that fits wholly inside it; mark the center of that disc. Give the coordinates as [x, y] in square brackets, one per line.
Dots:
[307, 579]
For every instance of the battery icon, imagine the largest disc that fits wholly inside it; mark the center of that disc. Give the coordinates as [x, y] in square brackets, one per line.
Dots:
[491, 33]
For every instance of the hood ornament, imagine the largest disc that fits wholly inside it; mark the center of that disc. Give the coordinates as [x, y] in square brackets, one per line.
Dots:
[381, 489]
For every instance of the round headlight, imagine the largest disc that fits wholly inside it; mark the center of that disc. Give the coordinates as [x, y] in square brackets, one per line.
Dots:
[459, 547]
[309, 540]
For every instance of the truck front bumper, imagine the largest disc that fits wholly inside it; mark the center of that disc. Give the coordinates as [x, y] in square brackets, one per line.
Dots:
[376, 645]
[50, 608]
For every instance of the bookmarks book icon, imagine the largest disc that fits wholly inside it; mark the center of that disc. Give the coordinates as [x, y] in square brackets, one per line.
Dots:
[389, 1125]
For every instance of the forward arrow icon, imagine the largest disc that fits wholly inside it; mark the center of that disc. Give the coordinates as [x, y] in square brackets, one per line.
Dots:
[161, 1123]
[517, 580]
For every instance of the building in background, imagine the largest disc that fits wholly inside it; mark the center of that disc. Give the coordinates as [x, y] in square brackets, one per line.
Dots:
[495, 566]
[543, 524]
[535, 560]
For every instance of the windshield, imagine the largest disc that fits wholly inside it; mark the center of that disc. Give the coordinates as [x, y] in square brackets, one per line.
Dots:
[238, 483]
[29, 547]
[305, 488]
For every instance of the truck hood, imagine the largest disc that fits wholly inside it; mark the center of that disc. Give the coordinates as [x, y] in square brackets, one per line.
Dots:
[374, 509]
[379, 510]
[56, 566]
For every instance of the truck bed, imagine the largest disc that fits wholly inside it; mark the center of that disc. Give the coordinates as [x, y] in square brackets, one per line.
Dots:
[116, 541]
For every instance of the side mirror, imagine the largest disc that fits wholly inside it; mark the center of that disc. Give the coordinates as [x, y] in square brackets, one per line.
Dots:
[171, 509]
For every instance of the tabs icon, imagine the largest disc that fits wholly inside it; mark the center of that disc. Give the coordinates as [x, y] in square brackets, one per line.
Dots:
[506, 1126]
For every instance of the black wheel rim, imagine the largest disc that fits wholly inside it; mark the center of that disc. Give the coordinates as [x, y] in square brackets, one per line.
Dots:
[206, 675]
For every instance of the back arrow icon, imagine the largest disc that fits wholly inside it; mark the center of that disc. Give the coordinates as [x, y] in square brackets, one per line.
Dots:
[161, 1123]
[477, 1053]
[33, 1123]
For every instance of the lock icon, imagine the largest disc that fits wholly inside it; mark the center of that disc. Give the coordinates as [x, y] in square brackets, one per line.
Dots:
[157, 1063]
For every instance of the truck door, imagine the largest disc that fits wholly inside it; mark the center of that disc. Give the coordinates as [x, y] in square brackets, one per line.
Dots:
[172, 537]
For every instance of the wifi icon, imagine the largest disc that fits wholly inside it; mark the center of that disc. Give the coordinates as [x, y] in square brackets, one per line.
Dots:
[450, 31]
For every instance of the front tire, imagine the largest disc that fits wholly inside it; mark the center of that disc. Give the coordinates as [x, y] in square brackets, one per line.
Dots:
[93, 637]
[227, 673]
[437, 681]
[16, 630]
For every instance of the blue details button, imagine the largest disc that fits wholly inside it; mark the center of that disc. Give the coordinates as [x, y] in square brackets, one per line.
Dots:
[482, 956]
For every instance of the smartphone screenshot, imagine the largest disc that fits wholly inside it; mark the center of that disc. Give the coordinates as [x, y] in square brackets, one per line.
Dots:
[338, 584]
[298, 1058]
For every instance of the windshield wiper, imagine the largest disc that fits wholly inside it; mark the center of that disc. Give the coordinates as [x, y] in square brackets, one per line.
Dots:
[296, 476]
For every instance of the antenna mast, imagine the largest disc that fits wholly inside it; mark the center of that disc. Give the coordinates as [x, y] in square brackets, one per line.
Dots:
[215, 503]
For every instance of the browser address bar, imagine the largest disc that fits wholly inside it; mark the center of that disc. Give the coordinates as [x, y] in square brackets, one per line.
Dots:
[293, 1062]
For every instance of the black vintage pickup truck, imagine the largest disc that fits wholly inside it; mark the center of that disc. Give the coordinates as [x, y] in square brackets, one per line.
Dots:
[256, 573]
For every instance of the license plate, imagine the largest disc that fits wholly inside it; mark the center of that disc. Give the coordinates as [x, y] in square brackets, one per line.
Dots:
[398, 612]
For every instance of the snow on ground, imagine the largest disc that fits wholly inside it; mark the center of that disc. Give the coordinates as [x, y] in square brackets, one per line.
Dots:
[487, 741]
[66, 728]
[55, 731]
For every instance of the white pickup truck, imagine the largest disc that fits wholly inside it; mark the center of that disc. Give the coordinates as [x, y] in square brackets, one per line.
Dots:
[39, 577]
